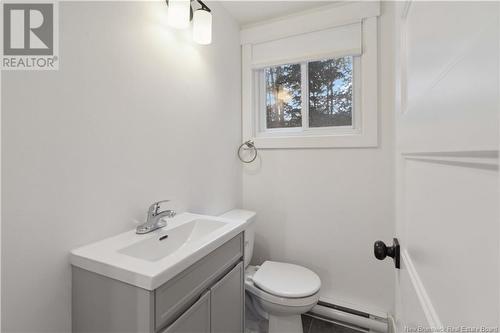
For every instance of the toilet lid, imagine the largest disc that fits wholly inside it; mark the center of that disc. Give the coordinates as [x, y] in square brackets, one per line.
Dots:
[286, 280]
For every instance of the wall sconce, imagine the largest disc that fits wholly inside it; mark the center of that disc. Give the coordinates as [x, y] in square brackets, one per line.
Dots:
[180, 13]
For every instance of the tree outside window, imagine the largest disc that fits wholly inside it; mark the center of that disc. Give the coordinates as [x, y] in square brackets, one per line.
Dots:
[329, 102]
[283, 96]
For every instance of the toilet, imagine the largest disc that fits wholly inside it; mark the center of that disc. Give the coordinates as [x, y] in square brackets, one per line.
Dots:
[277, 291]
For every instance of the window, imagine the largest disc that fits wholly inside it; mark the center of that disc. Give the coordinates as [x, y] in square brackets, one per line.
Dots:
[311, 81]
[307, 96]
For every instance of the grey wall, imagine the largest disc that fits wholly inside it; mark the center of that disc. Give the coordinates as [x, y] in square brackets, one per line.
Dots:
[136, 113]
[324, 208]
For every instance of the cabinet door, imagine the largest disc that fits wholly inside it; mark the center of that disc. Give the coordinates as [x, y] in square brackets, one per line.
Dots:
[196, 319]
[227, 298]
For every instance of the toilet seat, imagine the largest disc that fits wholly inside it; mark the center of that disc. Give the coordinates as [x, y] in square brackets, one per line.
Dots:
[292, 302]
[286, 280]
[289, 302]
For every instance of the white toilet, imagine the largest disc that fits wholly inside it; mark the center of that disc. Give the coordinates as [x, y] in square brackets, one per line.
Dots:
[280, 292]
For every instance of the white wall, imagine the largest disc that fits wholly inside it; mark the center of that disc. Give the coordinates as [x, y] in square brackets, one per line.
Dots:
[324, 208]
[136, 113]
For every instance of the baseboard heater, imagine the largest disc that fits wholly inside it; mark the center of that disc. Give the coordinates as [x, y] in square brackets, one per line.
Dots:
[349, 317]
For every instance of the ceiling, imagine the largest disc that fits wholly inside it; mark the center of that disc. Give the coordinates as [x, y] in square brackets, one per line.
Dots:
[249, 12]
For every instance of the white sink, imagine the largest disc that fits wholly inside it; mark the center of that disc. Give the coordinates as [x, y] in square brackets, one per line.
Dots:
[149, 260]
[168, 242]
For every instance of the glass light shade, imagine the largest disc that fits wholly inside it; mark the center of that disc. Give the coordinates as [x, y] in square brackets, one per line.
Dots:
[202, 27]
[179, 13]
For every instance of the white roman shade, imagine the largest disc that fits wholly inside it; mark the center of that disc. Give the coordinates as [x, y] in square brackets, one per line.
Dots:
[334, 42]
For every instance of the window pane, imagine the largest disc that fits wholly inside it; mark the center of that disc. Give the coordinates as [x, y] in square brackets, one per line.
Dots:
[283, 96]
[330, 92]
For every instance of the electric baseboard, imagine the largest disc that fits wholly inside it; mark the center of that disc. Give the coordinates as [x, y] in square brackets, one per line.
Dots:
[349, 317]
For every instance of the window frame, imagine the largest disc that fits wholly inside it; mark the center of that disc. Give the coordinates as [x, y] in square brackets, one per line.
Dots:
[305, 130]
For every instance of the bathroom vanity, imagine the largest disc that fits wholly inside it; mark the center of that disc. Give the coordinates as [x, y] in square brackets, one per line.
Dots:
[195, 285]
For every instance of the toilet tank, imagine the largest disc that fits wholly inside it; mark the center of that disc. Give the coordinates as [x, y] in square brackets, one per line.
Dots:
[241, 214]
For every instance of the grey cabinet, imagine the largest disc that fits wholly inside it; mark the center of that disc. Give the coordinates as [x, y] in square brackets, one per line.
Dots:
[207, 297]
[227, 297]
[175, 296]
[219, 310]
[196, 319]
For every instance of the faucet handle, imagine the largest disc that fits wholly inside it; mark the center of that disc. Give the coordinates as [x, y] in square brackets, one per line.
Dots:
[153, 209]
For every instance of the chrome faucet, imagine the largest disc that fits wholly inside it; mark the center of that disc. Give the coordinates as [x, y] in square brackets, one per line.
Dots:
[154, 220]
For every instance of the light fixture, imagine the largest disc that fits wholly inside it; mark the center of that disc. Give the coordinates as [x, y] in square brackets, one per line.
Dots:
[202, 26]
[180, 13]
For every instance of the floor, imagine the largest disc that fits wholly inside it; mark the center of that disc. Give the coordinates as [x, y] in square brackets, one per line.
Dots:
[315, 325]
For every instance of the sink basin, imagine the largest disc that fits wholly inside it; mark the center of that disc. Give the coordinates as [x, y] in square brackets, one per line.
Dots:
[168, 242]
[149, 260]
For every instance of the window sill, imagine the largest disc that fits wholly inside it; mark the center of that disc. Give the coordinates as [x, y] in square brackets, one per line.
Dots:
[316, 141]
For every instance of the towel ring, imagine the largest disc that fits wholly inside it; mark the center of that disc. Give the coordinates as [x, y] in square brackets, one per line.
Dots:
[247, 145]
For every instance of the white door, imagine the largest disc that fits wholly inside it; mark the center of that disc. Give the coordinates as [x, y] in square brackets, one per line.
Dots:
[447, 165]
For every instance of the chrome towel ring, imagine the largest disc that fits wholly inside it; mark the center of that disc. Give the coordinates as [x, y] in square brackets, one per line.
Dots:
[247, 146]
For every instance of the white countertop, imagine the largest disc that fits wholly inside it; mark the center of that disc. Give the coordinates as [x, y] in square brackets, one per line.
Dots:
[103, 258]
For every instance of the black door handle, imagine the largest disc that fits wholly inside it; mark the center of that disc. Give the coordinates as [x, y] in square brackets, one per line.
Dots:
[381, 251]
